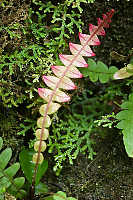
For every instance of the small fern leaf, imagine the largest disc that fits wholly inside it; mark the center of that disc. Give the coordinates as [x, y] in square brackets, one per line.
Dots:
[5, 156]
[93, 28]
[4, 183]
[103, 72]
[124, 72]
[83, 50]
[59, 96]
[47, 122]
[59, 196]
[73, 72]
[84, 38]
[62, 196]
[52, 108]
[18, 183]
[15, 188]
[112, 71]
[12, 170]
[68, 60]
[66, 83]
[126, 124]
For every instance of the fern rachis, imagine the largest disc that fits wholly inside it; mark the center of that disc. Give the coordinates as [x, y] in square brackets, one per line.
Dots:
[62, 80]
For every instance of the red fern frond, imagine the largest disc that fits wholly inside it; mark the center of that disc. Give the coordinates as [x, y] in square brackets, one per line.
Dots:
[61, 79]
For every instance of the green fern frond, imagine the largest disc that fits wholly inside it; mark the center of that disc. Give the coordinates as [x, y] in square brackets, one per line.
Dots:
[126, 124]
[98, 71]
[7, 182]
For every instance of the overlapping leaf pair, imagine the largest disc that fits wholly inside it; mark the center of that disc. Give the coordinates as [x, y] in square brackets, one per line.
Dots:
[61, 80]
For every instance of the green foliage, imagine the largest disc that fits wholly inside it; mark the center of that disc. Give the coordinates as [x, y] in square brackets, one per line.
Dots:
[126, 115]
[126, 124]
[11, 96]
[28, 166]
[70, 137]
[63, 21]
[41, 188]
[22, 62]
[126, 71]
[7, 181]
[28, 124]
[59, 196]
[1, 196]
[98, 71]
[107, 120]
[24, 57]
[76, 3]
[3, 3]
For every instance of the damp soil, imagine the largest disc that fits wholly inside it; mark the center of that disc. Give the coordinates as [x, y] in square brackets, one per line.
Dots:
[109, 176]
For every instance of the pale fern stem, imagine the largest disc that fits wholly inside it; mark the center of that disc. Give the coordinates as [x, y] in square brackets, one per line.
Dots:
[57, 86]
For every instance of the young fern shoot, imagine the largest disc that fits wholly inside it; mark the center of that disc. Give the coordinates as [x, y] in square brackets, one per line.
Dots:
[61, 80]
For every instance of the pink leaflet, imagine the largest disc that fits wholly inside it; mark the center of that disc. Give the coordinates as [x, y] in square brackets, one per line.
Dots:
[59, 95]
[73, 72]
[107, 20]
[110, 13]
[68, 60]
[99, 31]
[99, 21]
[52, 82]
[84, 38]
[82, 50]
[105, 24]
